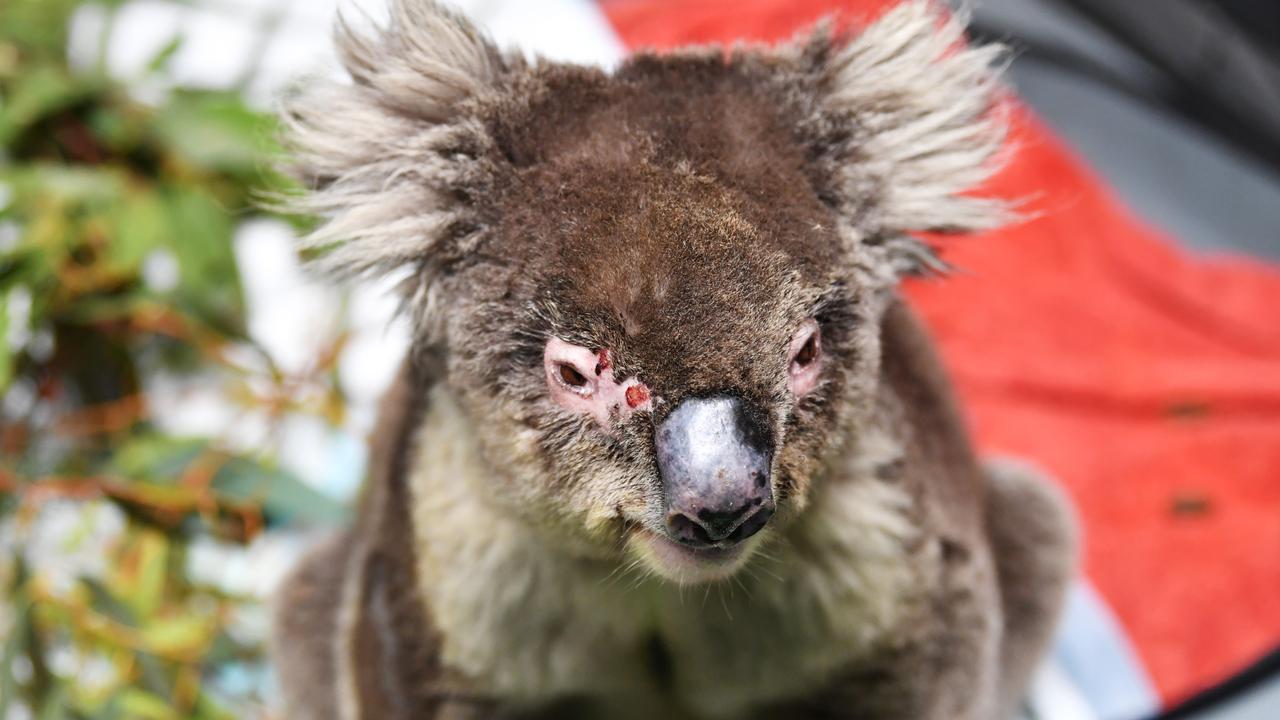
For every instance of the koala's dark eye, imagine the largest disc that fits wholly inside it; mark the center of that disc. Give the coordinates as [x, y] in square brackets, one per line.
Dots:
[805, 358]
[808, 352]
[571, 377]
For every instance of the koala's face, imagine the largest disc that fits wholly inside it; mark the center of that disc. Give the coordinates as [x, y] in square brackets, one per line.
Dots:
[664, 328]
[657, 288]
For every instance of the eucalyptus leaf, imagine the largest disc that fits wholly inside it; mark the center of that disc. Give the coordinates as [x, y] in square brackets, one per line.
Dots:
[182, 636]
[35, 185]
[200, 237]
[141, 226]
[282, 496]
[40, 26]
[55, 705]
[142, 705]
[14, 646]
[166, 53]
[35, 95]
[215, 131]
[6, 352]
[156, 458]
[108, 605]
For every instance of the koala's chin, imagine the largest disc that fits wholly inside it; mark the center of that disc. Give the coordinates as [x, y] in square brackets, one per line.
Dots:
[689, 565]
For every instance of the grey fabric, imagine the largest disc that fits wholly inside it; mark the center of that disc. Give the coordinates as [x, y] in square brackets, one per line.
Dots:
[1198, 188]
[1219, 75]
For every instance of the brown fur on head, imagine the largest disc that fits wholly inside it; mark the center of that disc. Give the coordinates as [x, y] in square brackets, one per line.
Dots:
[687, 213]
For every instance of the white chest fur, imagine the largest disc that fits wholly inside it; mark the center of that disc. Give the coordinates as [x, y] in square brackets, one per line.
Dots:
[526, 621]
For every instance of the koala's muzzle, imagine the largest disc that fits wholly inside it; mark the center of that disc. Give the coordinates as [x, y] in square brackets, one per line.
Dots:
[714, 454]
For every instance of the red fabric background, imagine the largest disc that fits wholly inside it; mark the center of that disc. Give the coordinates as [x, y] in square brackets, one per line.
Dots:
[1146, 379]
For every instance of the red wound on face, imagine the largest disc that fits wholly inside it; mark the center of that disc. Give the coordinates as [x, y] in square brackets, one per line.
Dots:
[637, 395]
[603, 363]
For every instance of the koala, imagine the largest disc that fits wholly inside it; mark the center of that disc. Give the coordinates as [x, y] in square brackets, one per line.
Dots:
[668, 442]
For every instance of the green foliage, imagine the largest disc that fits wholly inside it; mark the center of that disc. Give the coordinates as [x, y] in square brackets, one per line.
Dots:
[104, 194]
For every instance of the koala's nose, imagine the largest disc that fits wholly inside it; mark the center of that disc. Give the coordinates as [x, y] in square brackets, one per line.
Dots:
[714, 454]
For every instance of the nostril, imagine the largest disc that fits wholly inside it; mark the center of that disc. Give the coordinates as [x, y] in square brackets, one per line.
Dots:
[687, 530]
[752, 525]
[720, 524]
[708, 526]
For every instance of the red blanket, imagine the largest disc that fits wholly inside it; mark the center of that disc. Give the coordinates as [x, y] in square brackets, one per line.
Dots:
[1146, 379]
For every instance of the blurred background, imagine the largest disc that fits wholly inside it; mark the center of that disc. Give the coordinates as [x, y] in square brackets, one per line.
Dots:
[183, 409]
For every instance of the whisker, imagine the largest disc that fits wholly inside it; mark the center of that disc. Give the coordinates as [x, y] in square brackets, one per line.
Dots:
[724, 604]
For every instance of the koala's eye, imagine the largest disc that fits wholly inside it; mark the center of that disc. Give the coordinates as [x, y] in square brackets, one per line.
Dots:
[808, 352]
[572, 372]
[571, 377]
[581, 379]
[804, 358]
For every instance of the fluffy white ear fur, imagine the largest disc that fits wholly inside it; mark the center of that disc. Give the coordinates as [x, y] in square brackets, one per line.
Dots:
[921, 121]
[387, 156]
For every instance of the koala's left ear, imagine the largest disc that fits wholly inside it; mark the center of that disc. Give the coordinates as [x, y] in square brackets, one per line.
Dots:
[905, 120]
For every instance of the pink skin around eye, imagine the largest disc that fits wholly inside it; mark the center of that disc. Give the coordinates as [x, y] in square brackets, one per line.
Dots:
[802, 378]
[602, 396]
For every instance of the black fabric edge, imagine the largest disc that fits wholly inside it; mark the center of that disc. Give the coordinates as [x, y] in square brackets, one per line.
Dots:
[1234, 687]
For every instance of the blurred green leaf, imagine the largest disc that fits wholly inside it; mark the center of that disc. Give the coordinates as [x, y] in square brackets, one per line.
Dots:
[14, 646]
[157, 463]
[102, 601]
[55, 705]
[155, 457]
[166, 53]
[6, 353]
[281, 495]
[140, 227]
[201, 241]
[41, 186]
[216, 132]
[36, 94]
[123, 129]
[40, 26]
[135, 703]
[147, 574]
[180, 636]
[207, 709]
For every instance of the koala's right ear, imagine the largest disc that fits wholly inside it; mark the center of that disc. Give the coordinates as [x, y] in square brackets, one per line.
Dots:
[393, 160]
